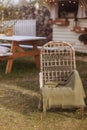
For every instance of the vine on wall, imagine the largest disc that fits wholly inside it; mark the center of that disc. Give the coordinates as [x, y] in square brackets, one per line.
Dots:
[42, 16]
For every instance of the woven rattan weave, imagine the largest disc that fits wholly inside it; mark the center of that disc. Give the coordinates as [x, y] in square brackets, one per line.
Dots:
[57, 61]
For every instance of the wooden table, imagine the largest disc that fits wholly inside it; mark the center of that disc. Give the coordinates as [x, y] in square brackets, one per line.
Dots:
[18, 51]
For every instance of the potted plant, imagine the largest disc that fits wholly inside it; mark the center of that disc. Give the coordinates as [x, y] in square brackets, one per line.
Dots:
[77, 28]
[83, 38]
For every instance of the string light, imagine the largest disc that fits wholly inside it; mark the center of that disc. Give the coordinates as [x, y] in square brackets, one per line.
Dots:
[69, 1]
[37, 5]
[56, 1]
[74, 2]
[51, 1]
[62, 4]
[81, 6]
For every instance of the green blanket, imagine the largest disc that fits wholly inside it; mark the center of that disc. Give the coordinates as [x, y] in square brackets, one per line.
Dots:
[70, 95]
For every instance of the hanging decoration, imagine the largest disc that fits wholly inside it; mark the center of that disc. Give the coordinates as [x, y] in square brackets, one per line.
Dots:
[51, 1]
[56, 1]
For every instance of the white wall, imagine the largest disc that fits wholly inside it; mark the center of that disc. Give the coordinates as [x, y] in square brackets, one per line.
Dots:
[25, 27]
[64, 33]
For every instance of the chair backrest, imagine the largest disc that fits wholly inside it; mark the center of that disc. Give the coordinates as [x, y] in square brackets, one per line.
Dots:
[25, 27]
[57, 61]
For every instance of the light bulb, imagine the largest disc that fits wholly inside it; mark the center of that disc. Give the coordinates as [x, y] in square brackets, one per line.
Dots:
[37, 5]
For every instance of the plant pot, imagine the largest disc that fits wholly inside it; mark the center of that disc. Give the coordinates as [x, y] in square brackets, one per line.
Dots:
[61, 22]
[8, 31]
[79, 29]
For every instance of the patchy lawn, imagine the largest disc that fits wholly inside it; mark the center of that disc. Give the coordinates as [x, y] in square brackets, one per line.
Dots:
[19, 96]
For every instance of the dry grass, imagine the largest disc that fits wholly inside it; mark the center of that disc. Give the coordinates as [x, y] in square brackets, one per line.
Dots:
[19, 96]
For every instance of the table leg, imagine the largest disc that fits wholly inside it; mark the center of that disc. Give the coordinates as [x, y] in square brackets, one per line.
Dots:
[20, 52]
[10, 60]
[37, 57]
[9, 66]
[37, 60]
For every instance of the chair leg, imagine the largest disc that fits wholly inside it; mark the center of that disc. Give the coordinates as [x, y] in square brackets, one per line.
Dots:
[82, 112]
[40, 105]
[44, 105]
[41, 115]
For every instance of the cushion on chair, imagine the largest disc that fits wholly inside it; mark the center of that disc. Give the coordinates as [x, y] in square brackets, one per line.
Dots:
[65, 96]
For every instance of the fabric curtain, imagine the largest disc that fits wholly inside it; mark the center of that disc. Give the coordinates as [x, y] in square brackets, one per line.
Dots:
[84, 3]
[82, 7]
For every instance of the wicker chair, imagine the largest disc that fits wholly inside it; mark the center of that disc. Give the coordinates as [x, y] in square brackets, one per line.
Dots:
[60, 82]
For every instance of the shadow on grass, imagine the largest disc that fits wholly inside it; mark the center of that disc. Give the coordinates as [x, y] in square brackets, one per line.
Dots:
[24, 74]
[19, 102]
[73, 113]
[20, 67]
